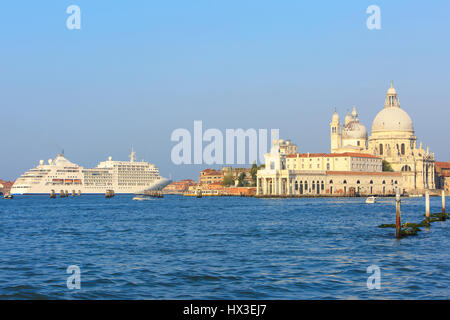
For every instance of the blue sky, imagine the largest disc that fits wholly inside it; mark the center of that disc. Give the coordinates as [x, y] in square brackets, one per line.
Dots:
[137, 70]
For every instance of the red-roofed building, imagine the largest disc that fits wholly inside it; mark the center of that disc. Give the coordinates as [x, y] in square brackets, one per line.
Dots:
[5, 186]
[179, 187]
[209, 176]
[442, 175]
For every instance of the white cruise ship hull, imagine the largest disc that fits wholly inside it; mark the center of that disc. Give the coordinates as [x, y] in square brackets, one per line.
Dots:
[47, 190]
[62, 176]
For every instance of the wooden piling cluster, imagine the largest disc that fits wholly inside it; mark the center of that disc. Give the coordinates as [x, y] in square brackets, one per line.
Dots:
[409, 229]
[64, 194]
[109, 194]
[154, 194]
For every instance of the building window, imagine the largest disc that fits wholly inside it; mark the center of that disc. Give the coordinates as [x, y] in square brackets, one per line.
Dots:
[381, 149]
[406, 168]
[403, 149]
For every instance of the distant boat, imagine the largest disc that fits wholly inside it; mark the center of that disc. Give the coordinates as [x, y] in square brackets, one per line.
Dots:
[370, 200]
[416, 195]
[142, 198]
[8, 196]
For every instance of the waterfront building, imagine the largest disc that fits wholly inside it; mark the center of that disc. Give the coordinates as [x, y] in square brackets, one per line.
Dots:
[5, 186]
[217, 189]
[442, 175]
[355, 162]
[208, 176]
[234, 173]
[392, 139]
[303, 174]
[179, 187]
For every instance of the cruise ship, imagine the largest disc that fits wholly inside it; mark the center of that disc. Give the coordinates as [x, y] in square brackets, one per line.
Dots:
[60, 175]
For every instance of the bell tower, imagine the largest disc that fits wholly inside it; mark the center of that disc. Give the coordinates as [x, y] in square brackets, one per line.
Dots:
[335, 132]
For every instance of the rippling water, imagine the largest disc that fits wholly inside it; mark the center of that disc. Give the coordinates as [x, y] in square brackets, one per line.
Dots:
[218, 248]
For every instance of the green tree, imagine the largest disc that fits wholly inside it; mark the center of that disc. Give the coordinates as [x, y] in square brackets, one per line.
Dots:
[227, 181]
[241, 179]
[254, 172]
[387, 166]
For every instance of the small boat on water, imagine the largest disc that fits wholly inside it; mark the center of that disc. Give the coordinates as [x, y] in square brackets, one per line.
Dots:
[8, 196]
[416, 195]
[142, 198]
[371, 199]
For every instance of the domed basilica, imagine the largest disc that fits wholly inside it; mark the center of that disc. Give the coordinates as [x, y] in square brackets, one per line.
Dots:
[392, 138]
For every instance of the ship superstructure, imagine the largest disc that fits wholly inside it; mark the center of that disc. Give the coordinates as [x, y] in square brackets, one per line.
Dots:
[60, 175]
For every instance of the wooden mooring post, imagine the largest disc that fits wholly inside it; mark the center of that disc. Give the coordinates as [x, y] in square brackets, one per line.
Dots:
[398, 222]
[427, 206]
[443, 204]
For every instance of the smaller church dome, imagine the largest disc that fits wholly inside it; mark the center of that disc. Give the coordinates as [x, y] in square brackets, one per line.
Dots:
[354, 130]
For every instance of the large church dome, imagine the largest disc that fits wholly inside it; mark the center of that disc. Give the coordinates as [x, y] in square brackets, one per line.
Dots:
[392, 117]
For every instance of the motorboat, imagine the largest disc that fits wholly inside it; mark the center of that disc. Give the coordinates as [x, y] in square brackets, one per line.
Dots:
[371, 199]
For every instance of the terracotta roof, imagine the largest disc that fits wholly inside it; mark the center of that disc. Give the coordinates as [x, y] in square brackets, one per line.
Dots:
[362, 173]
[352, 154]
[306, 155]
[345, 154]
[442, 165]
[210, 172]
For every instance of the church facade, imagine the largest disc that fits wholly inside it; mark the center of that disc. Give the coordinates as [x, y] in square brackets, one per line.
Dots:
[392, 139]
[355, 162]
